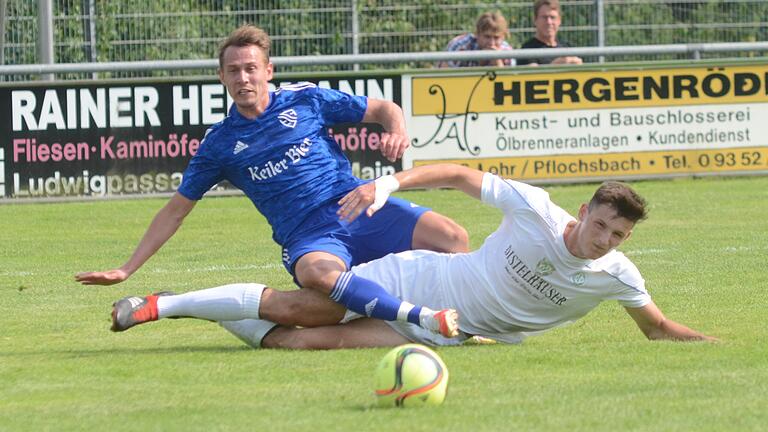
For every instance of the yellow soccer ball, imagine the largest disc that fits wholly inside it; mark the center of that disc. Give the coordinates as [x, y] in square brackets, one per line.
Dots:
[411, 375]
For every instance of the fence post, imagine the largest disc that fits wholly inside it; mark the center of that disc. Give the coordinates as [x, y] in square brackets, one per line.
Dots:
[89, 28]
[3, 3]
[355, 32]
[600, 12]
[45, 32]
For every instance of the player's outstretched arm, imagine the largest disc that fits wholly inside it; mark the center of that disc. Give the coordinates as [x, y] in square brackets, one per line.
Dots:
[163, 226]
[656, 326]
[390, 116]
[371, 197]
[467, 180]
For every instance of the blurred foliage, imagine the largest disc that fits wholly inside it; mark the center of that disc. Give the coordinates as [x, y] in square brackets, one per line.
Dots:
[132, 30]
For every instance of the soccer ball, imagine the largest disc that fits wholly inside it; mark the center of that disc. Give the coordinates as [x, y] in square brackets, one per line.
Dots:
[411, 375]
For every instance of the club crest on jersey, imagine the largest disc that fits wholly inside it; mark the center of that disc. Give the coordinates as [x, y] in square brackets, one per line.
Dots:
[544, 267]
[288, 118]
[578, 278]
[240, 146]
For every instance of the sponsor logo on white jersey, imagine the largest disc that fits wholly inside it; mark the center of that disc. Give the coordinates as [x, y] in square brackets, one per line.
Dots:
[578, 278]
[544, 267]
[288, 118]
[240, 146]
[531, 280]
[370, 306]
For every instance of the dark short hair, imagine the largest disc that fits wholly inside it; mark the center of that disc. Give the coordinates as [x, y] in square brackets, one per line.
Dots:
[493, 22]
[627, 203]
[538, 4]
[245, 35]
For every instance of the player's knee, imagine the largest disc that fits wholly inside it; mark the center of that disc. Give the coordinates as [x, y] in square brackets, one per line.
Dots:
[440, 234]
[314, 278]
[453, 238]
[457, 238]
[318, 277]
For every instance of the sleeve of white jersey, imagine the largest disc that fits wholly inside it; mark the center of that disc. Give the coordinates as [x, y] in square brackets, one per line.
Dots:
[510, 195]
[630, 285]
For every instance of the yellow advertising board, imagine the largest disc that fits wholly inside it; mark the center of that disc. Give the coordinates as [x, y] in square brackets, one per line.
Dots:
[619, 164]
[590, 89]
[583, 124]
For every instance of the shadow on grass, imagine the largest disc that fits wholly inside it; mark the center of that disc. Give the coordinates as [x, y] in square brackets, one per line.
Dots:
[373, 408]
[129, 351]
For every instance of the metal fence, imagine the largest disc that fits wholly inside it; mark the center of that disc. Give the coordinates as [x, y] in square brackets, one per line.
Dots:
[134, 30]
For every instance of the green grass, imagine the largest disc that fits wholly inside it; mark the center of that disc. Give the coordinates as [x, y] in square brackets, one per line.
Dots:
[703, 253]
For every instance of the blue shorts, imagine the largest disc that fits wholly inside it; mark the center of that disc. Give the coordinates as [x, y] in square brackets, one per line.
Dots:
[389, 230]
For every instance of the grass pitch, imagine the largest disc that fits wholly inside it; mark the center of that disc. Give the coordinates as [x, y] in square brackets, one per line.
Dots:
[702, 252]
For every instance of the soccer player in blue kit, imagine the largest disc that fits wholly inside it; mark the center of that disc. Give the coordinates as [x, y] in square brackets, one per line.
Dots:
[274, 146]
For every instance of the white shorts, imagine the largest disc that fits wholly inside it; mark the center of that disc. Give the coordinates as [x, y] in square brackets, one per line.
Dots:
[415, 277]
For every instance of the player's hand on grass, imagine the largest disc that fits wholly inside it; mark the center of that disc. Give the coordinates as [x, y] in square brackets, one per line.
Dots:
[357, 201]
[109, 277]
[393, 145]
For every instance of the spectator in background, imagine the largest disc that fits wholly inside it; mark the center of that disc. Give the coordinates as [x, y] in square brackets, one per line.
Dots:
[490, 33]
[546, 19]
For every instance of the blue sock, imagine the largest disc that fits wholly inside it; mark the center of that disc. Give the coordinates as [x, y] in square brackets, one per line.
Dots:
[368, 298]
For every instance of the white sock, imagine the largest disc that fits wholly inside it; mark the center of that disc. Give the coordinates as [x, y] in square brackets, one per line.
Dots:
[225, 303]
[427, 319]
[405, 309]
[250, 331]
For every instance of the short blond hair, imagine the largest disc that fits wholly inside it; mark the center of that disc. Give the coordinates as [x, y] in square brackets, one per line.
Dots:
[245, 35]
[492, 22]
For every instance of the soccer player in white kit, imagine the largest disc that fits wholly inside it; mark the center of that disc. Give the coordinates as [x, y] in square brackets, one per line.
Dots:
[524, 279]
[541, 269]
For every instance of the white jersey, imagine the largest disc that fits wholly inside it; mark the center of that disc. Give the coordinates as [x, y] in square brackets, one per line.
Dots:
[521, 281]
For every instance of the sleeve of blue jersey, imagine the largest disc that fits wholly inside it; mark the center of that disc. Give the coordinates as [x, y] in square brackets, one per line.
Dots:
[203, 171]
[338, 107]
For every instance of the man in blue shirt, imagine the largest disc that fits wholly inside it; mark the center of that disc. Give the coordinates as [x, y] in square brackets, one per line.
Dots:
[275, 147]
[490, 34]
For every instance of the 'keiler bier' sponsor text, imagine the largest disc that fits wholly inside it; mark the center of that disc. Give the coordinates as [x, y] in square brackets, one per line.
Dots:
[270, 169]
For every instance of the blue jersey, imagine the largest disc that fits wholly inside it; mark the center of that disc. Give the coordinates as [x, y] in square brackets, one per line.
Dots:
[284, 160]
